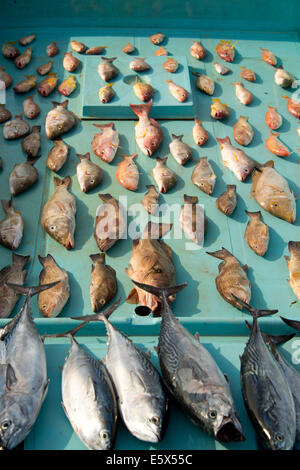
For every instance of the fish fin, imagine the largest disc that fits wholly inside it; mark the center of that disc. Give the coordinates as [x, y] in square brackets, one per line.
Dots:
[177, 137]
[226, 378]
[9, 376]
[133, 297]
[64, 182]
[60, 368]
[30, 291]
[91, 389]
[288, 259]
[197, 336]
[245, 268]
[256, 313]
[167, 248]
[7, 205]
[292, 323]
[220, 254]
[156, 349]
[226, 140]
[141, 109]
[20, 260]
[190, 199]
[101, 316]
[104, 126]
[135, 242]
[155, 230]
[255, 178]
[98, 258]
[46, 259]
[85, 156]
[148, 353]
[105, 197]
[160, 291]
[64, 104]
[111, 59]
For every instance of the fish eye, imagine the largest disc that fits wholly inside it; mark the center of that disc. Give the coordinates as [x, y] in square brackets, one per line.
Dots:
[212, 414]
[104, 435]
[52, 227]
[246, 170]
[5, 425]
[279, 437]
[92, 181]
[154, 420]
[102, 301]
[153, 144]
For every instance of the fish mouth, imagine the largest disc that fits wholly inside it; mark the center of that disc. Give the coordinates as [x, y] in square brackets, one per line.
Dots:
[229, 432]
[69, 242]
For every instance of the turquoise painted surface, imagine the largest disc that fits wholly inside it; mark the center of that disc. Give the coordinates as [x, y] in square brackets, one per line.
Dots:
[199, 307]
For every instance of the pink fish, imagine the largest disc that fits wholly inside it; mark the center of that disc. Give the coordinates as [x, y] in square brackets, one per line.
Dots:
[106, 143]
[22, 60]
[235, 159]
[148, 134]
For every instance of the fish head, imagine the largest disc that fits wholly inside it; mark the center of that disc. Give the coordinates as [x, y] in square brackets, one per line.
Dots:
[60, 228]
[48, 303]
[146, 423]
[282, 206]
[151, 143]
[96, 435]
[15, 419]
[106, 151]
[58, 121]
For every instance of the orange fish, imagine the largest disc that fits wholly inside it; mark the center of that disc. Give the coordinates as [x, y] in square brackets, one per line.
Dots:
[127, 173]
[248, 74]
[219, 110]
[272, 118]
[293, 106]
[67, 86]
[225, 50]
[268, 56]
[275, 146]
[177, 91]
[46, 86]
[161, 51]
[70, 63]
[243, 95]
[197, 50]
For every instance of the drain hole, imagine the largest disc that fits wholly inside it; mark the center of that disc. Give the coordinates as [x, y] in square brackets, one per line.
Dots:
[143, 311]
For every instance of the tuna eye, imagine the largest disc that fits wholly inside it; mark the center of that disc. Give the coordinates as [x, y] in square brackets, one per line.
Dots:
[212, 414]
[104, 435]
[154, 420]
[279, 437]
[6, 424]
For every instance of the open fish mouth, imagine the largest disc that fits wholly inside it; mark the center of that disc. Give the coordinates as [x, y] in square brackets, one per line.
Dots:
[228, 432]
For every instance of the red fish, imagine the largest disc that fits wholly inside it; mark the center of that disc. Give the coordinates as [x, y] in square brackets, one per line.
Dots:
[127, 173]
[248, 74]
[48, 85]
[225, 50]
[293, 106]
[275, 146]
[22, 60]
[106, 143]
[272, 118]
[268, 56]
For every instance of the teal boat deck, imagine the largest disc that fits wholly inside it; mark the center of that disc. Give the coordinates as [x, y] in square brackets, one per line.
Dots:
[199, 307]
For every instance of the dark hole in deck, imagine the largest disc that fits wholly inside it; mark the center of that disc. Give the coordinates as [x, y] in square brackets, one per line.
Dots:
[143, 311]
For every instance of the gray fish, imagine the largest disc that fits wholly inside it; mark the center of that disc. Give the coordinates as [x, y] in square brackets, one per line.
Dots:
[59, 120]
[11, 227]
[141, 399]
[150, 200]
[110, 222]
[23, 176]
[181, 151]
[227, 201]
[15, 128]
[58, 155]
[23, 373]
[192, 375]
[15, 274]
[89, 174]
[5, 114]
[30, 108]
[267, 395]
[31, 144]
[103, 285]
[203, 176]
[88, 396]
[106, 69]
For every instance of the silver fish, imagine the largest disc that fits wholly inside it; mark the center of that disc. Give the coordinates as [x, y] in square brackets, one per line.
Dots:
[89, 174]
[181, 151]
[106, 69]
[23, 176]
[15, 128]
[59, 120]
[11, 227]
[31, 143]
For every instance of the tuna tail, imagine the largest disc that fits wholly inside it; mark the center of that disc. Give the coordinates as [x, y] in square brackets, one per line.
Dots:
[292, 323]
[274, 339]
[256, 313]
[68, 334]
[102, 316]
[64, 182]
[141, 109]
[19, 260]
[85, 156]
[161, 292]
[30, 291]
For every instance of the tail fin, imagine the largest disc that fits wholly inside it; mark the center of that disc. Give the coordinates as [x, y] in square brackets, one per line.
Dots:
[30, 291]
[69, 333]
[161, 292]
[20, 260]
[102, 316]
[256, 313]
[141, 109]
[275, 339]
[292, 323]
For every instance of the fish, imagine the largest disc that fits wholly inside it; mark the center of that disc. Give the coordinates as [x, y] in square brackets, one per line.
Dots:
[44, 69]
[106, 93]
[70, 63]
[232, 278]
[248, 74]
[244, 96]
[106, 143]
[30, 108]
[283, 78]
[272, 193]
[129, 48]
[161, 51]
[236, 159]
[48, 84]
[22, 60]
[157, 38]
[203, 176]
[275, 146]
[257, 233]
[192, 376]
[227, 201]
[192, 219]
[24, 382]
[150, 200]
[96, 50]
[25, 40]
[272, 118]
[52, 301]
[151, 262]
[148, 133]
[57, 155]
[31, 144]
[103, 285]
[266, 393]
[15, 128]
[205, 83]
[16, 274]
[141, 398]
[88, 396]
[181, 151]
[58, 214]
[293, 106]
[139, 64]
[226, 50]
[165, 178]
[268, 57]
[106, 69]
[243, 132]
[25, 85]
[110, 223]
[10, 51]
[5, 77]
[11, 227]
[200, 135]
[68, 86]
[89, 174]
[143, 91]
[78, 46]
[219, 110]
[23, 176]
[127, 173]
[171, 65]
[59, 120]
[179, 93]
[5, 114]
[197, 50]
[221, 69]
[293, 263]
[52, 49]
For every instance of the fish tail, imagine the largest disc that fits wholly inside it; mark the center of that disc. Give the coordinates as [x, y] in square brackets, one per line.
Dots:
[256, 313]
[64, 104]
[30, 291]
[7, 205]
[155, 230]
[292, 323]
[190, 199]
[141, 109]
[254, 215]
[68, 334]
[44, 259]
[177, 137]
[64, 182]
[104, 126]
[226, 140]
[292, 245]
[85, 156]
[19, 260]
[161, 292]
[99, 257]
[220, 254]
[102, 316]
